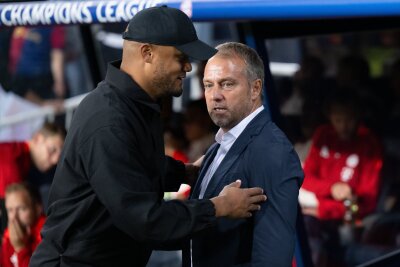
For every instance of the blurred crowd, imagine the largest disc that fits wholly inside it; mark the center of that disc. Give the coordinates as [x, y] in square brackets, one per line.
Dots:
[345, 130]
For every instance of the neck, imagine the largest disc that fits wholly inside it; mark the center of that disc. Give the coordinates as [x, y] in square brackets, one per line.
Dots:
[137, 73]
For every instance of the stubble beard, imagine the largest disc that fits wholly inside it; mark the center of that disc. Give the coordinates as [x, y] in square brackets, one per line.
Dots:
[165, 85]
[221, 121]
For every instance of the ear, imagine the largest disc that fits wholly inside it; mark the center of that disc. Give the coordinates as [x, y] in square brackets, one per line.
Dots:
[147, 52]
[256, 89]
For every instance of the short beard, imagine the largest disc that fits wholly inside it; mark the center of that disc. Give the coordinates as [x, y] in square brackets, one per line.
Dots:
[163, 85]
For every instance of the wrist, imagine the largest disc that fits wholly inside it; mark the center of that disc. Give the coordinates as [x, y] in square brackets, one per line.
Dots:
[18, 247]
[219, 205]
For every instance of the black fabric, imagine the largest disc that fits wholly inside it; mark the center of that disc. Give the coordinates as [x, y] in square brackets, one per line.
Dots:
[105, 203]
[170, 27]
[3, 216]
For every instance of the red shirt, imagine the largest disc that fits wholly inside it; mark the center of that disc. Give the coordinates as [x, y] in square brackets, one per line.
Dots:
[357, 162]
[15, 161]
[21, 258]
[179, 155]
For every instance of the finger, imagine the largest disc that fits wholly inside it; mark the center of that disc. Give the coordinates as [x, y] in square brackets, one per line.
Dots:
[254, 191]
[254, 207]
[257, 199]
[236, 184]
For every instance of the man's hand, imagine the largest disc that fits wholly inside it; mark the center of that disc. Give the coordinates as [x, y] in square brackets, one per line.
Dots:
[235, 202]
[19, 234]
[341, 191]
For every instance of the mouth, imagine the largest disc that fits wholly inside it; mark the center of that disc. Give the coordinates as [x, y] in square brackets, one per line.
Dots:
[219, 110]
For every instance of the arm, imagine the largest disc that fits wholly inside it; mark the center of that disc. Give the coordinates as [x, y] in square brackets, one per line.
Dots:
[174, 175]
[124, 187]
[279, 172]
[57, 61]
[57, 69]
[313, 182]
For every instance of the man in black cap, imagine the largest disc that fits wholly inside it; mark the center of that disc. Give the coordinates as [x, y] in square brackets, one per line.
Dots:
[105, 204]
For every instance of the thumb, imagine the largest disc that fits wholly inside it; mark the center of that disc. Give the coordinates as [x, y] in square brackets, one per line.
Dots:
[236, 184]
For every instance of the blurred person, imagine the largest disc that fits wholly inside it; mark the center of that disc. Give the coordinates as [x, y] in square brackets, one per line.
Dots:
[343, 166]
[18, 159]
[174, 144]
[75, 66]
[198, 129]
[307, 82]
[25, 220]
[106, 206]
[311, 117]
[36, 63]
[307, 92]
[250, 147]
[353, 73]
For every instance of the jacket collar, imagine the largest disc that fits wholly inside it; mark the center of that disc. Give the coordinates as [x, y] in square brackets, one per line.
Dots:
[122, 82]
[252, 129]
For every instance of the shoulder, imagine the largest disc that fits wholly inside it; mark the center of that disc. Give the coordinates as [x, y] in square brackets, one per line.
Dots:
[272, 136]
[102, 108]
[14, 148]
[270, 145]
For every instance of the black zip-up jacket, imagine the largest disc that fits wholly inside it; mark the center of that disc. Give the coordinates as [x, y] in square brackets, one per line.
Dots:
[105, 204]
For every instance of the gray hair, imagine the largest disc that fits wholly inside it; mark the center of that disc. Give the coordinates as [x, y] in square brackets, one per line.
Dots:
[255, 65]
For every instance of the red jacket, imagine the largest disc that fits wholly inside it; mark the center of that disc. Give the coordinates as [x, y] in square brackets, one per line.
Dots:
[22, 257]
[15, 161]
[357, 162]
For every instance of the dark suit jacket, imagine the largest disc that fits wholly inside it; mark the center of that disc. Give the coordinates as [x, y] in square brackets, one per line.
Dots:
[261, 156]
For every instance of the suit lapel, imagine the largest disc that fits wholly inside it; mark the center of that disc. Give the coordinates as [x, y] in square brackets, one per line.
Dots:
[251, 130]
[208, 158]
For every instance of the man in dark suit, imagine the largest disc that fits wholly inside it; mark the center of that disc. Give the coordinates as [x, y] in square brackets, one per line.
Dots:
[252, 148]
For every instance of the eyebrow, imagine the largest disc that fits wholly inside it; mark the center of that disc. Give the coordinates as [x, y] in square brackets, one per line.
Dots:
[226, 79]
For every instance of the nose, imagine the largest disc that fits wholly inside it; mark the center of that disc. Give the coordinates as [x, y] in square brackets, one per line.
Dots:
[187, 66]
[217, 95]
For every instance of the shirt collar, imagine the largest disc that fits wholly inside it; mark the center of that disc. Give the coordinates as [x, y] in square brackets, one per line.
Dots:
[127, 86]
[239, 128]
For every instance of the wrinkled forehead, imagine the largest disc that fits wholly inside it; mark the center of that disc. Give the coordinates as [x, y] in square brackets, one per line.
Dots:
[223, 66]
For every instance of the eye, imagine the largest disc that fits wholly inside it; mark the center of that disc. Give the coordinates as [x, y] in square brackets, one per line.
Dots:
[207, 86]
[227, 85]
[183, 58]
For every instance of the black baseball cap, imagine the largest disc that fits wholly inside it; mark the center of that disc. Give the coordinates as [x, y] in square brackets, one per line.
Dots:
[170, 27]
